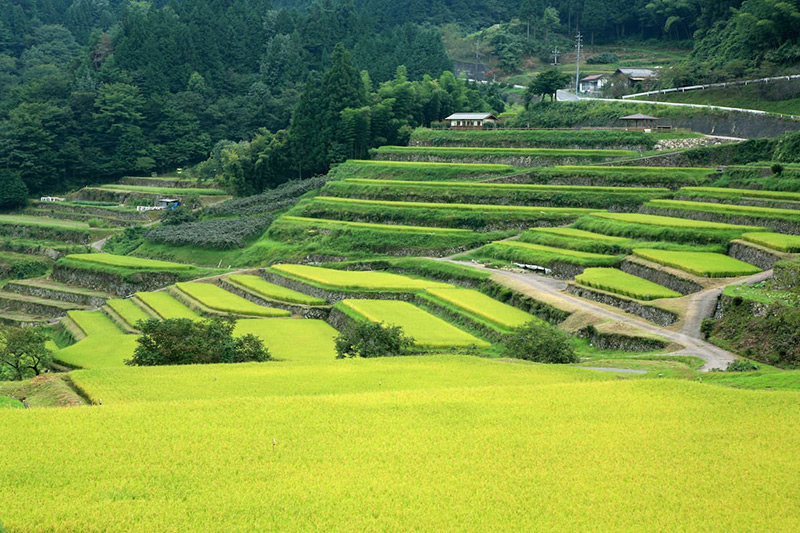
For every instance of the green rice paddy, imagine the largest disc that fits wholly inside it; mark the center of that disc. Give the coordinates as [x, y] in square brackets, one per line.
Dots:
[776, 241]
[262, 287]
[219, 299]
[619, 282]
[357, 280]
[699, 263]
[166, 306]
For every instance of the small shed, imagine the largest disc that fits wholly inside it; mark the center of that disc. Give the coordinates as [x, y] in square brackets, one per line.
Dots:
[470, 120]
[593, 83]
[636, 75]
[169, 203]
[639, 122]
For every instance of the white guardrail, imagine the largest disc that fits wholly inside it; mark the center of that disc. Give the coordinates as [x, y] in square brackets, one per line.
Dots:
[713, 86]
[149, 208]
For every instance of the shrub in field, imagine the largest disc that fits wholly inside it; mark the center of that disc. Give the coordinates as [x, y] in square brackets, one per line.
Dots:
[182, 341]
[23, 353]
[741, 365]
[540, 343]
[372, 339]
[180, 215]
[223, 233]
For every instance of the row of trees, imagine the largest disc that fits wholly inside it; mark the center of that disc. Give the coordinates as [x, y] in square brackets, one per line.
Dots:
[341, 115]
[91, 90]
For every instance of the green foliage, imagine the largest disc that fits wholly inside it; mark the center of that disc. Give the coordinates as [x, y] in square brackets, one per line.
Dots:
[13, 192]
[546, 83]
[454, 152]
[372, 339]
[602, 59]
[181, 341]
[179, 215]
[412, 170]
[127, 262]
[268, 202]
[540, 343]
[20, 266]
[126, 241]
[741, 365]
[23, 353]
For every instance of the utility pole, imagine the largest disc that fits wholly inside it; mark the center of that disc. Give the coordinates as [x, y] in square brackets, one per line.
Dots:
[556, 53]
[477, 55]
[578, 46]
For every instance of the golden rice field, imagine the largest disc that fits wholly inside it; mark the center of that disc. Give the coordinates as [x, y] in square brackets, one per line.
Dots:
[448, 443]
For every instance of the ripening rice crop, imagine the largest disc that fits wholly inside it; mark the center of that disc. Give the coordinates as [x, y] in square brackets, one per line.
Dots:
[427, 330]
[573, 233]
[477, 304]
[675, 222]
[776, 241]
[166, 306]
[292, 339]
[619, 282]
[768, 213]
[125, 261]
[375, 227]
[524, 252]
[357, 280]
[400, 444]
[467, 207]
[128, 311]
[106, 345]
[707, 264]
[265, 289]
[94, 323]
[449, 151]
[219, 299]
[721, 192]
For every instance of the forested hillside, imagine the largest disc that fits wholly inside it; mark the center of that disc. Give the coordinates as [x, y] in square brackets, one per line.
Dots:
[92, 90]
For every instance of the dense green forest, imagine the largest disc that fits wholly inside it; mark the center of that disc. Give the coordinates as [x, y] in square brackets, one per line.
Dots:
[91, 90]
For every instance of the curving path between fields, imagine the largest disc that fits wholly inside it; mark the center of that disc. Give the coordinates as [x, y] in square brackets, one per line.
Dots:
[689, 337]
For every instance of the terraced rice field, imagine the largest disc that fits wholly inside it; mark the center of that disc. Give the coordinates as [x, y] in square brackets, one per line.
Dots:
[166, 306]
[353, 280]
[728, 209]
[265, 289]
[392, 445]
[302, 340]
[699, 263]
[169, 191]
[399, 228]
[776, 241]
[481, 306]
[125, 261]
[128, 311]
[619, 282]
[427, 330]
[541, 255]
[573, 233]
[466, 207]
[675, 222]
[420, 171]
[447, 151]
[221, 300]
[738, 194]
[106, 345]
[28, 220]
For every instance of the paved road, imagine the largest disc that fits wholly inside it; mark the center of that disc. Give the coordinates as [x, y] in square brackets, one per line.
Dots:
[714, 357]
[564, 96]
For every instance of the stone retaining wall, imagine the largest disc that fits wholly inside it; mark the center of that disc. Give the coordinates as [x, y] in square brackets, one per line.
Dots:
[656, 315]
[509, 296]
[55, 294]
[34, 308]
[616, 341]
[759, 256]
[660, 276]
[113, 283]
